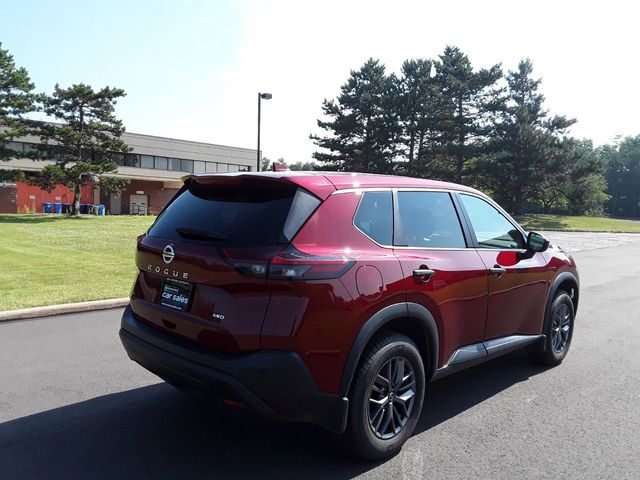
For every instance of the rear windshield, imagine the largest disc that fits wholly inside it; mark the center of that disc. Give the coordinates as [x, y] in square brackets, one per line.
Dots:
[235, 215]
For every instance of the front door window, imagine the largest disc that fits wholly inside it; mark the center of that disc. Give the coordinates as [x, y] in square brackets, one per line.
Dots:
[491, 228]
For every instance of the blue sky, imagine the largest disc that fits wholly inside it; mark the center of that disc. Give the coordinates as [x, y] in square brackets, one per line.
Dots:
[162, 53]
[192, 69]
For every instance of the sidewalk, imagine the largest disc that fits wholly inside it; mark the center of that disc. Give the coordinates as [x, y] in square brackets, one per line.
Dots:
[49, 310]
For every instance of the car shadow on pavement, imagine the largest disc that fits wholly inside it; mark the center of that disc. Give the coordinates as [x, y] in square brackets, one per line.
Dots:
[157, 432]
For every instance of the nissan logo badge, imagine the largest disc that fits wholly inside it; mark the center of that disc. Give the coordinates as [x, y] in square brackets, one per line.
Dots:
[168, 253]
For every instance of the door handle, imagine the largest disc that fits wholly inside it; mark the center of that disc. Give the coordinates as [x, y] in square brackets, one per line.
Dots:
[498, 271]
[423, 274]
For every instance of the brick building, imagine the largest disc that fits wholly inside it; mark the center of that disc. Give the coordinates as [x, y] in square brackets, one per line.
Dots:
[154, 166]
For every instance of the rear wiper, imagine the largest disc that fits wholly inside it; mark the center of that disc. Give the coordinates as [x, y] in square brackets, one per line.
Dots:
[199, 234]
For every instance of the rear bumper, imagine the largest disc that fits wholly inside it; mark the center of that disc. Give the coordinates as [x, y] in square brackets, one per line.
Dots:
[275, 384]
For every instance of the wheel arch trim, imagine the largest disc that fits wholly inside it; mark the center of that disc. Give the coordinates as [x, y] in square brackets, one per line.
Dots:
[408, 310]
[561, 278]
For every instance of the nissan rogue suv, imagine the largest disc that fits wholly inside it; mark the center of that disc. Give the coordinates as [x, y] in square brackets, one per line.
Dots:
[335, 298]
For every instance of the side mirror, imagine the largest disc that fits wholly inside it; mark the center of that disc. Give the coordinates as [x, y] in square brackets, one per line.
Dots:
[536, 242]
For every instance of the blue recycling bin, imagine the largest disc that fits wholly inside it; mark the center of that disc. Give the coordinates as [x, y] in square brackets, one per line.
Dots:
[66, 208]
[84, 208]
[101, 210]
[47, 207]
[57, 207]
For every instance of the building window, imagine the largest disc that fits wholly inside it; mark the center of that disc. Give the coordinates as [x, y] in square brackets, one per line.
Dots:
[146, 161]
[118, 158]
[174, 164]
[187, 166]
[243, 168]
[198, 167]
[15, 146]
[223, 167]
[233, 168]
[211, 167]
[131, 160]
[162, 163]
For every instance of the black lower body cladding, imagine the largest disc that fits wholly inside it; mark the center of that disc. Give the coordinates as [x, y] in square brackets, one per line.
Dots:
[275, 384]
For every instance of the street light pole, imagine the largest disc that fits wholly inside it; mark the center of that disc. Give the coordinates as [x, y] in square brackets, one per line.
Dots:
[261, 96]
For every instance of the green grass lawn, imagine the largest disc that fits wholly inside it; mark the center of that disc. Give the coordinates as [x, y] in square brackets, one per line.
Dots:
[51, 259]
[579, 224]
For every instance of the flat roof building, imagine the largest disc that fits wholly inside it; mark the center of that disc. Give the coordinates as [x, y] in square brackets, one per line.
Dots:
[155, 166]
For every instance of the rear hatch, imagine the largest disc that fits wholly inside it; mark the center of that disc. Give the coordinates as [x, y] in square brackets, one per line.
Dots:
[203, 264]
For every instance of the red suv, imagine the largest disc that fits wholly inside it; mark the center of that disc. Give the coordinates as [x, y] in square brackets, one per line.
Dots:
[335, 298]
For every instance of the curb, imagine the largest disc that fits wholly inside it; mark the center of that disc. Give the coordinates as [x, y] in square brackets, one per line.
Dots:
[35, 312]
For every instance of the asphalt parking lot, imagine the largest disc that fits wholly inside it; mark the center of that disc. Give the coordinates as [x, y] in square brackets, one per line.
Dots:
[73, 406]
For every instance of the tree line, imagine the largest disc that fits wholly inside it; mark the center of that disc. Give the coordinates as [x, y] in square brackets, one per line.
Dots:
[83, 143]
[444, 119]
[438, 118]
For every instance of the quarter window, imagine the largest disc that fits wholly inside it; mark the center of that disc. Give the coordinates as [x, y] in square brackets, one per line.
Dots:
[428, 220]
[375, 217]
[491, 228]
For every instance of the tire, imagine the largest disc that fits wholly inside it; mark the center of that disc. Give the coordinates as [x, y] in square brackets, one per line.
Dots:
[558, 331]
[374, 431]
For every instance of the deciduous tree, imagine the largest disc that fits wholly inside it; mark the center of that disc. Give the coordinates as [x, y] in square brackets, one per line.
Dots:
[622, 171]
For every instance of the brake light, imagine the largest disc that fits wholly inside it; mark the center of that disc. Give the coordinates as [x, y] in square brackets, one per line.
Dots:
[288, 264]
[292, 264]
[250, 262]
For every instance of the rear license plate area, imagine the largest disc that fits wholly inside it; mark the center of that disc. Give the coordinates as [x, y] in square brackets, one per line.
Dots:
[176, 294]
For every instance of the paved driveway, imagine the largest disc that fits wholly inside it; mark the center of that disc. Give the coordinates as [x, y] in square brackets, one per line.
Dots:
[73, 406]
[580, 241]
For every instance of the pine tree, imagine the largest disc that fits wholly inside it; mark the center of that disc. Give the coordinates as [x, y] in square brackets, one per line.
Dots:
[464, 121]
[86, 144]
[362, 126]
[16, 100]
[527, 151]
[418, 104]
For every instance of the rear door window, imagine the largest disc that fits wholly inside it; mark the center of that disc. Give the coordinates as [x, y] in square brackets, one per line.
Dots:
[428, 220]
[235, 215]
[374, 217]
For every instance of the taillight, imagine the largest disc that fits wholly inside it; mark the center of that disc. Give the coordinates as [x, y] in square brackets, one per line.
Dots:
[292, 264]
[288, 264]
[250, 262]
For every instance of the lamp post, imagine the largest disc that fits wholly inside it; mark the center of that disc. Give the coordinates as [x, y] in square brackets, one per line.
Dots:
[261, 96]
